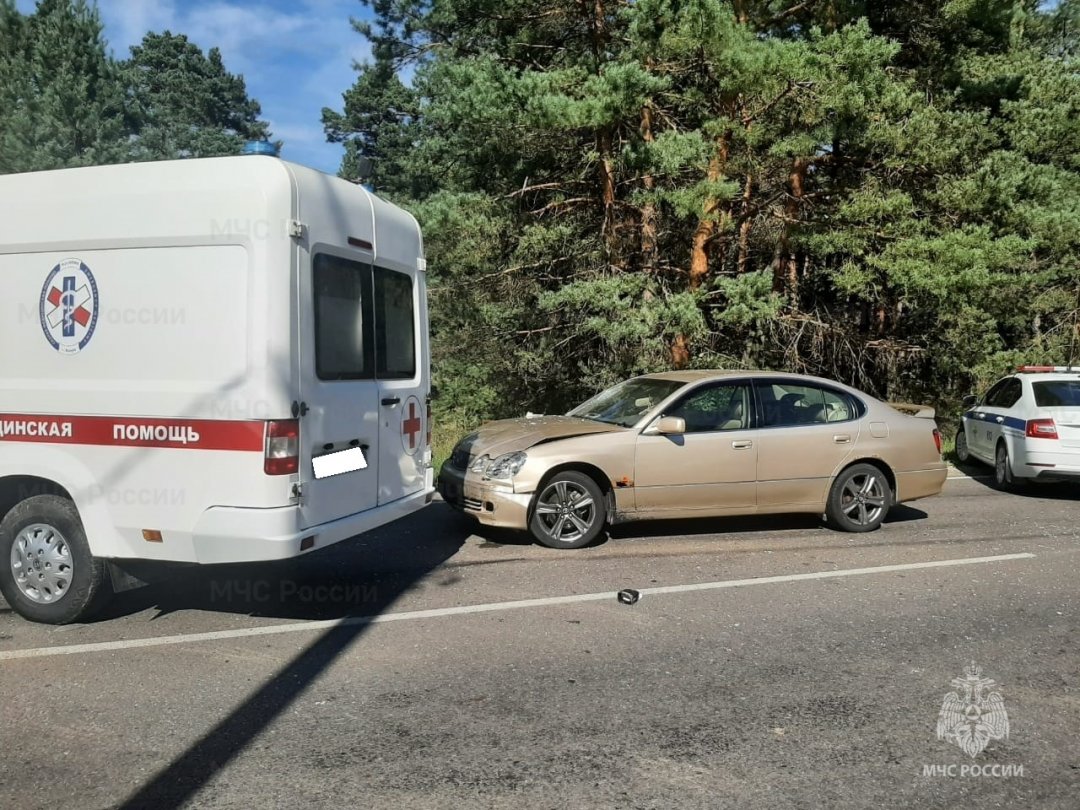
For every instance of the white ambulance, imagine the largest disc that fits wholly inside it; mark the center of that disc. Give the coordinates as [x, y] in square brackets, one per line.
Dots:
[204, 361]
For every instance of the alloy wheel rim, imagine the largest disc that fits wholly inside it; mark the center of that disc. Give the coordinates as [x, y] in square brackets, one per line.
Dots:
[863, 498]
[566, 510]
[41, 563]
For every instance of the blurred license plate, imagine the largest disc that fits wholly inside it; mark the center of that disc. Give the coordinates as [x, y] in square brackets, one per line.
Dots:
[343, 461]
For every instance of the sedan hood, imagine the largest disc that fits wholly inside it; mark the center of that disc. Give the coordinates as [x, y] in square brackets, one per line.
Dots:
[508, 435]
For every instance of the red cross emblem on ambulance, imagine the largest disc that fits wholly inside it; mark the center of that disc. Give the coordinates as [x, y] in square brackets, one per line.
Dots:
[412, 424]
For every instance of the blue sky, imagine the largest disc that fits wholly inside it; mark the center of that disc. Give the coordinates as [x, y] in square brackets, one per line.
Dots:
[295, 55]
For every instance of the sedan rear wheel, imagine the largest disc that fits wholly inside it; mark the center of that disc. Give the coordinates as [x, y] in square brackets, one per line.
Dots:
[569, 511]
[859, 499]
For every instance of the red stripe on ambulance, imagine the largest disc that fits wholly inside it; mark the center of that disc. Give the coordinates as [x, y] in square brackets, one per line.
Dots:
[123, 431]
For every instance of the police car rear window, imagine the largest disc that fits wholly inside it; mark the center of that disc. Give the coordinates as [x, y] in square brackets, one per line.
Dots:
[1057, 393]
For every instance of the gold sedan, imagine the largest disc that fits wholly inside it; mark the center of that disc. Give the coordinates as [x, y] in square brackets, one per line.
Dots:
[697, 444]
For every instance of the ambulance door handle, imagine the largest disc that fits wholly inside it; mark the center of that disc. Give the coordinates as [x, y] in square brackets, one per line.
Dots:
[391, 400]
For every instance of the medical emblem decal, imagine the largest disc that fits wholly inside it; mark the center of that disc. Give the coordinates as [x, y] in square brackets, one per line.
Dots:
[69, 306]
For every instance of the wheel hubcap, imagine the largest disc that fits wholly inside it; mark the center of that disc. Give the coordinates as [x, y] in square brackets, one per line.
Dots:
[41, 563]
[863, 498]
[566, 510]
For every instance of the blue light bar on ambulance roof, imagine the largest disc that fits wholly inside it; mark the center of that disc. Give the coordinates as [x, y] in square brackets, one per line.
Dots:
[259, 148]
[1037, 369]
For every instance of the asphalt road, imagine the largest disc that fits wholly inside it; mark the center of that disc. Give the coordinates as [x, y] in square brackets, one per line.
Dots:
[793, 677]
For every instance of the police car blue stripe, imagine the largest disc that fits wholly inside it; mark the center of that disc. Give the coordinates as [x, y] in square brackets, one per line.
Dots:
[1007, 421]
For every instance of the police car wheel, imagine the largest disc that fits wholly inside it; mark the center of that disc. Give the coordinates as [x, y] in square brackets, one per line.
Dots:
[859, 499]
[568, 512]
[1003, 474]
[47, 573]
[962, 454]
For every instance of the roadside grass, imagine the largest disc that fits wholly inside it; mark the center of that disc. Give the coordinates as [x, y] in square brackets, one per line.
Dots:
[948, 449]
[446, 433]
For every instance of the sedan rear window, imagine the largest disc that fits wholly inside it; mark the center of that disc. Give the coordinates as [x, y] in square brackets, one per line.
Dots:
[1057, 393]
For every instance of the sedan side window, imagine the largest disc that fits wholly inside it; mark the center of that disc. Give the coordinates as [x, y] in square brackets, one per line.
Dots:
[714, 407]
[785, 404]
[990, 397]
[1010, 394]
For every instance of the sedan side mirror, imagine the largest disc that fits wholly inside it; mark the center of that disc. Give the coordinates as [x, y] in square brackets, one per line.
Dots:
[969, 401]
[671, 425]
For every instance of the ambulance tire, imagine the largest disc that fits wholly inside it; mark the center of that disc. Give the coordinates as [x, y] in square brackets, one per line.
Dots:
[88, 588]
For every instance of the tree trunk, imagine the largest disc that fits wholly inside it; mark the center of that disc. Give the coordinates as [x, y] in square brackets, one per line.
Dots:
[607, 186]
[707, 224]
[745, 226]
[596, 14]
[680, 352]
[648, 210]
[785, 260]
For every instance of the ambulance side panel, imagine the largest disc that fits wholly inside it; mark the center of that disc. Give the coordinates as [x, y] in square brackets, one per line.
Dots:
[192, 267]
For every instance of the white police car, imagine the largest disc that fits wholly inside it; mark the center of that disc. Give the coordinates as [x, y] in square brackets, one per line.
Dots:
[1027, 426]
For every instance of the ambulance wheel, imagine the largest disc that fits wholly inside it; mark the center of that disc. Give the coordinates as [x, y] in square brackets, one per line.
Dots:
[47, 573]
[569, 511]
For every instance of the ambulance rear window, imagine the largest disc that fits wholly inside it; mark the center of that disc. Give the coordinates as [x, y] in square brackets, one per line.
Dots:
[344, 349]
[396, 333]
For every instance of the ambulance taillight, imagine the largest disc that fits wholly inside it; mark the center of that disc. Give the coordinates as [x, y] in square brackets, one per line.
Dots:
[282, 447]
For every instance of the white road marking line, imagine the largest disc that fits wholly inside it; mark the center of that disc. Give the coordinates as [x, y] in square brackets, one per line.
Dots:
[411, 615]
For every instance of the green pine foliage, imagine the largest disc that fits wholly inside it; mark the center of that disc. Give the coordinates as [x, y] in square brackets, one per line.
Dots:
[882, 193]
[184, 103]
[65, 101]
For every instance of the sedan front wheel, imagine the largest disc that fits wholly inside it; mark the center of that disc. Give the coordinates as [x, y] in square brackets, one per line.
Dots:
[569, 511]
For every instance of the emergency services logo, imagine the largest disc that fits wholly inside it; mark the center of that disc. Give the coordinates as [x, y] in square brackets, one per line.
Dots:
[973, 715]
[69, 306]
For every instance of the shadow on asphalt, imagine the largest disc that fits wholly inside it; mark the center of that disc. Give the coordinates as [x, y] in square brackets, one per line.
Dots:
[1053, 490]
[357, 577]
[497, 538]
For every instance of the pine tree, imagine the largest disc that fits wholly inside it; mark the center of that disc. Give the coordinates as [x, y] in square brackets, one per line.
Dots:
[68, 110]
[184, 103]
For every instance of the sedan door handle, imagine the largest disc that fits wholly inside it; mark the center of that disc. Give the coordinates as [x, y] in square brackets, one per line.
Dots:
[841, 438]
[742, 445]
[391, 400]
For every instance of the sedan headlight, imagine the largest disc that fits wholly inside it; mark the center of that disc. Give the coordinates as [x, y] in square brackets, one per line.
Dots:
[507, 465]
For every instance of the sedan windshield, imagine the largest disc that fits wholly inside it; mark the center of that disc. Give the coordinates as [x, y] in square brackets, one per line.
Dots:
[626, 403]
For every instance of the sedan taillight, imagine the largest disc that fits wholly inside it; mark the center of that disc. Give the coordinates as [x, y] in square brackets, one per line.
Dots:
[1041, 429]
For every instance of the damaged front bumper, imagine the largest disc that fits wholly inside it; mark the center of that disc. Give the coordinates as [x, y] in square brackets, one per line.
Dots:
[493, 504]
